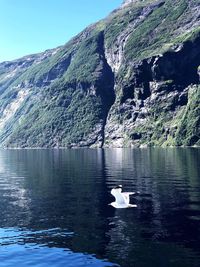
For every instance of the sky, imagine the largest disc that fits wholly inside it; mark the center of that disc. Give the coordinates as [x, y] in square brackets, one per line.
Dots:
[32, 26]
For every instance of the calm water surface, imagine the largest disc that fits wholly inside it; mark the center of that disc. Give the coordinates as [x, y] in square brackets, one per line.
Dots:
[54, 208]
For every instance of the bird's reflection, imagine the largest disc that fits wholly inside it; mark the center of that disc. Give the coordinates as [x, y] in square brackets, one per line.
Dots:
[59, 198]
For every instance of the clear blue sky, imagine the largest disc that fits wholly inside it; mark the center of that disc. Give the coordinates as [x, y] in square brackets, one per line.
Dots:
[31, 26]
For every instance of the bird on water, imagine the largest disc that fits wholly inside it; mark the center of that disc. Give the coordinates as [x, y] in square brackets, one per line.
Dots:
[122, 199]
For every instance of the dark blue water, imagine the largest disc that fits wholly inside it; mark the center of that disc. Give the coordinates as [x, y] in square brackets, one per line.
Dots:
[54, 208]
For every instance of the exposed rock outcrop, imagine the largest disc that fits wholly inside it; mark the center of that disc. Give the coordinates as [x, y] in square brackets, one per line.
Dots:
[129, 80]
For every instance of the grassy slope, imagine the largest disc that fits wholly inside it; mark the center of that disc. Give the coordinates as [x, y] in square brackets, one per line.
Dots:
[65, 111]
[156, 34]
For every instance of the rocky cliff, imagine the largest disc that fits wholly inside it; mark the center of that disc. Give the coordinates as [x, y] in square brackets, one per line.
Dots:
[129, 80]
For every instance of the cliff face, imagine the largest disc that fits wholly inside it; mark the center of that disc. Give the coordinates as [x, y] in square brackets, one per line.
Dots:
[131, 79]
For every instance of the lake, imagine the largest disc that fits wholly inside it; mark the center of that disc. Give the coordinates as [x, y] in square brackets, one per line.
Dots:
[54, 208]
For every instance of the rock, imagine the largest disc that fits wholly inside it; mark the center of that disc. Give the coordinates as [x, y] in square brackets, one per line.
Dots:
[130, 80]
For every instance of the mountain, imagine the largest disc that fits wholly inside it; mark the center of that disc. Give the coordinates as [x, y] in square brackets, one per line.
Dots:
[131, 79]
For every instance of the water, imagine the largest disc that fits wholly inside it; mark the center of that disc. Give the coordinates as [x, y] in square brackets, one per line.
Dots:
[54, 208]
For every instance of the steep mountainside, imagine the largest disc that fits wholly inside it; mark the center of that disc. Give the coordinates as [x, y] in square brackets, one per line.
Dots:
[131, 79]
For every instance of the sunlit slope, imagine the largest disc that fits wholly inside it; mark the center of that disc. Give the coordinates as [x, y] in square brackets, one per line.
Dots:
[128, 80]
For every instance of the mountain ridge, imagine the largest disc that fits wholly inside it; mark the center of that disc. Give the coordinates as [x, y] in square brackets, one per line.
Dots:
[129, 80]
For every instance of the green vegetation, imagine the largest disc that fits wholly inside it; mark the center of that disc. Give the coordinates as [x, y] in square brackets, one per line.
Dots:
[188, 132]
[118, 22]
[64, 116]
[86, 60]
[157, 33]
[166, 128]
[70, 90]
[66, 111]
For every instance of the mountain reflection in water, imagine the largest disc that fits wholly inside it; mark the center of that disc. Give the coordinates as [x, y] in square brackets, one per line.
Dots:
[54, 207]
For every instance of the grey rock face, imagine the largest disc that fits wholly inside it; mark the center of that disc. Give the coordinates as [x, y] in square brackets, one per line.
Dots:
[158, 90]
[129, 80]
[115, 53]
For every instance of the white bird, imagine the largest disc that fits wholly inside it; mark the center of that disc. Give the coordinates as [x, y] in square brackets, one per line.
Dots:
[121, 199]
